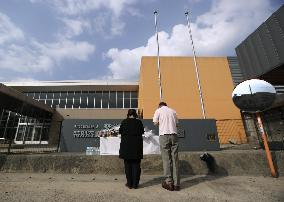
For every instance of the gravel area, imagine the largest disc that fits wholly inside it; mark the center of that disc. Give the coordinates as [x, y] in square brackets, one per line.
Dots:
[71, 187]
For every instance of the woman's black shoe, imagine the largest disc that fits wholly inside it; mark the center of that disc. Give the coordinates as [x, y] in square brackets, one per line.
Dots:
[129, 187]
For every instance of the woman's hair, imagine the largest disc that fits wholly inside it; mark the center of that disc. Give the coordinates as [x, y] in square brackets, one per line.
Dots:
[132, 112]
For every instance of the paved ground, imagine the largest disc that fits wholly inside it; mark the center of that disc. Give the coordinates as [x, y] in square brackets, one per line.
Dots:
[68, 187]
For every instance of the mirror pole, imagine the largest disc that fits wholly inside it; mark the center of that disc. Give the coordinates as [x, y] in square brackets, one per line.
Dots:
[267, 151]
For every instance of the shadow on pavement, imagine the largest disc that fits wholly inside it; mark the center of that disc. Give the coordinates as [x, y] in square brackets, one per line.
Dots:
[198, 180]
[214, 172]
[152, 182]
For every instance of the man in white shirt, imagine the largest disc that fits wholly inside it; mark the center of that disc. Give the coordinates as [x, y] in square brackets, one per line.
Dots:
[167, 120]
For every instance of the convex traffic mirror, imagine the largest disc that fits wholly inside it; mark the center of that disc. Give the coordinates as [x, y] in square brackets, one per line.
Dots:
[254, 95]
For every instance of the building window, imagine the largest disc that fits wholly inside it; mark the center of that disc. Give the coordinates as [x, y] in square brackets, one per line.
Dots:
[49, 95]
[77, 99]
[134, 99]
[91, 99]
[55, 103]
[126, 99]
[22, 128]
[49, 103]
[62, 103]
[98, 99]
[88, 99]
[36, 95]
[119, 99]
[69, 103]
[84, 99]
[70, 94]
[76, 103]
[112, 99]
[63, 95]
[105, 99]
[42, 95]
[83, 103]
[56, 95]
[31, 94]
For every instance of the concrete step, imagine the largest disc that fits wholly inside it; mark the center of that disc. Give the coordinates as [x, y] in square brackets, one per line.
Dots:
[230, 162]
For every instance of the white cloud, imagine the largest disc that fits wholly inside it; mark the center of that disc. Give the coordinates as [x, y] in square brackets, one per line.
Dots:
[37, 57]
[23, 59]
[117, 26]
[67, 50]
[221, 29]
[134, 12]
[77, 9]
[74, 27]
[125, 62]
[23, 54]
[100, 23]
[216, 32]
[21, 79]
[8, 31]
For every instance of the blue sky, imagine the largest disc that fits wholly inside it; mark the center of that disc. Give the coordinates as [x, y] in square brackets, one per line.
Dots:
[105, 39]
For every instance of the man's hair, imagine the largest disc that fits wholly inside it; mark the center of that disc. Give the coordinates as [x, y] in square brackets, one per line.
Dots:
[132, 112]
[162, 104]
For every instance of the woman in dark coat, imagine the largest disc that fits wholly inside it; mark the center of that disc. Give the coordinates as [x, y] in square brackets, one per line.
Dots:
[131, 147]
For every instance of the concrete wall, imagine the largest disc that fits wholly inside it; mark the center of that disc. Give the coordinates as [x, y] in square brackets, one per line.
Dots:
[231, 162]
[54, 130]
[180, 91]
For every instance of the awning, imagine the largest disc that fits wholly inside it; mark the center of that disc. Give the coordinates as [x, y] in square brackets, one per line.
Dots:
[16, 101]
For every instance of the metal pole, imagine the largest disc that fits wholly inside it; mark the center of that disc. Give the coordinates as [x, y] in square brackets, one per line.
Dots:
[158, 56]
[266, 147]
[196, 67]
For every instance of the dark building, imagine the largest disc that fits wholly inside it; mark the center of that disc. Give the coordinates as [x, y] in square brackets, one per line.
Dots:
[261, 56]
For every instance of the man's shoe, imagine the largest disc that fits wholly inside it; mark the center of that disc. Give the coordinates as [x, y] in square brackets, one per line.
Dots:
[176, 188]
[167, 186]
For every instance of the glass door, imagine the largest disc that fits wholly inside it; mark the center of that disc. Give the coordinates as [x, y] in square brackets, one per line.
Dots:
[31, 133]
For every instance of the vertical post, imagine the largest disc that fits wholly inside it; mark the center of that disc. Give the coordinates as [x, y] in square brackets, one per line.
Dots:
[158, 56]
[6, 124]
[196, 66]
[41, 129]
[25, 130]
[266, 147]
[9, 135]
[60, 134]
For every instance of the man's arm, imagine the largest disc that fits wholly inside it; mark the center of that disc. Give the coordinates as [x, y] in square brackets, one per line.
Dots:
[175, 115]
[156, 118]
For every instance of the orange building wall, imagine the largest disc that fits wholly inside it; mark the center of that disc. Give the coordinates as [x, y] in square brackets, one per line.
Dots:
[180, 91]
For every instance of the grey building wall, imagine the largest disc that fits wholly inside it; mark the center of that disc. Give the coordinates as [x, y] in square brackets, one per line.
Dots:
[194, 134]
[235, 69]
[263, 50]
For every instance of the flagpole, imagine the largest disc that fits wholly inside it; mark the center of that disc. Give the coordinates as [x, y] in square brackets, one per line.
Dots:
[196, 67]
[158, 56]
